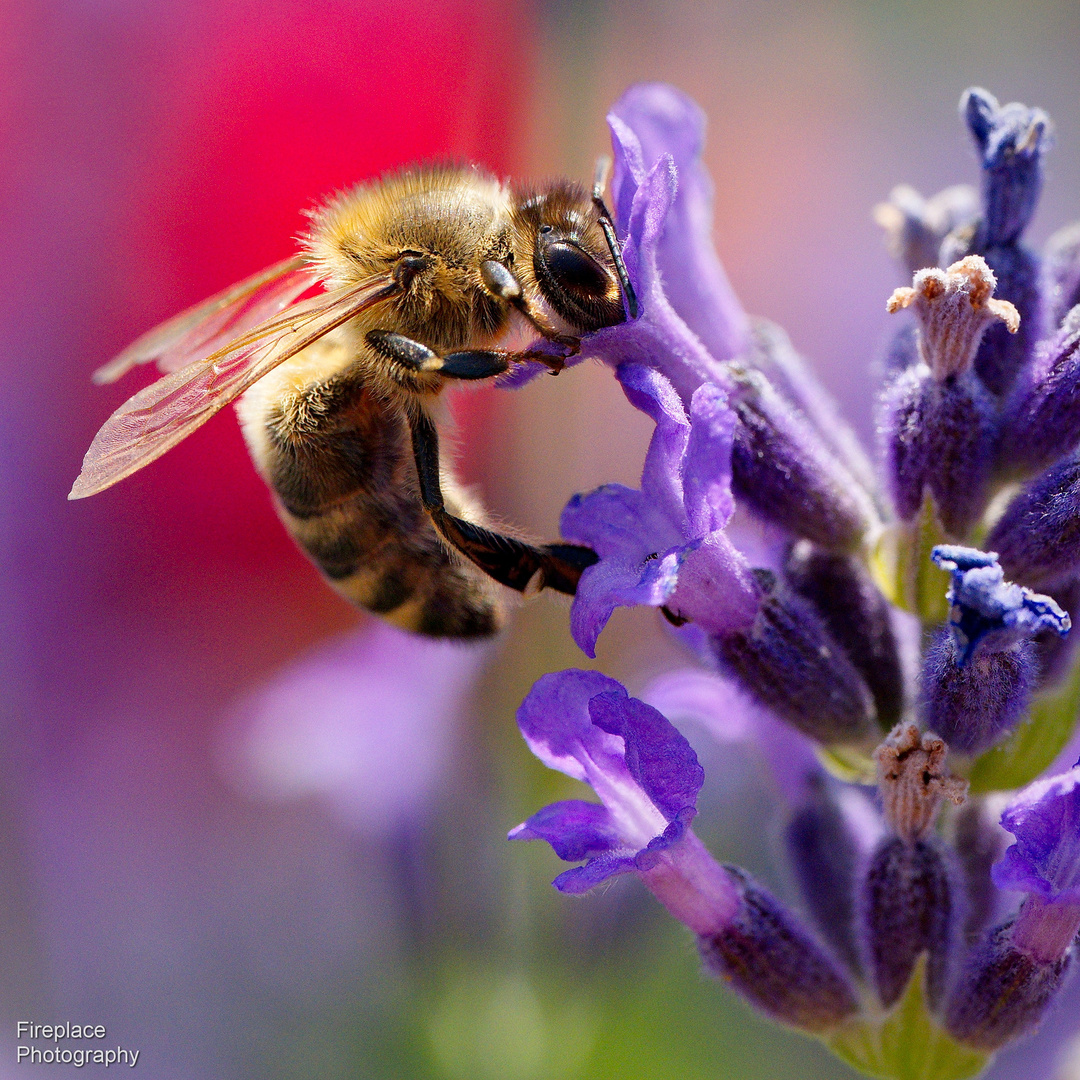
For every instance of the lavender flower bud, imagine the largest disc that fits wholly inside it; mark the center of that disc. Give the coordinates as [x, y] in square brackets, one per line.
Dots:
[857, 616]
[772, 961]
[772, 353]
[1061, 270]
[1011, 140]
[979, 842]
[1038, 536]
[1001, 992]
[915, 227]
[1042, 418]
[825, 847]
[785, 473]
[973, 705]
[909, 909]
[938, 421]
[788, 660]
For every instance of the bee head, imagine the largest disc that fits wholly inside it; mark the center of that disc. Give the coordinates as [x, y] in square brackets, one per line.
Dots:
[570, 263]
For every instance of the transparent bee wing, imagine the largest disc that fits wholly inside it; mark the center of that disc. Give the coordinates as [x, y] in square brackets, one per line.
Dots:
[208, 326]
[164, 413]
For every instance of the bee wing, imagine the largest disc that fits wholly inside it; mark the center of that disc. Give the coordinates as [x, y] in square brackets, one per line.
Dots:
[208, 326]
[164, 413]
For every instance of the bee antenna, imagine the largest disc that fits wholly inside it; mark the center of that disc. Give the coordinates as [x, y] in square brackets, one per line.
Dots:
[603, 167]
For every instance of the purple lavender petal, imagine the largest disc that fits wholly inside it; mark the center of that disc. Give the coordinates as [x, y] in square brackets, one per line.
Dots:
[639, 556]
[581, 879]
[716, 587]
[658, 757]
[659, 338]
[661, 477]
[666, 121]
[1045, 860]
[575, 829]
[730, 716]
[986, 612]
[707, 465]
[619, 523]
[554, 719]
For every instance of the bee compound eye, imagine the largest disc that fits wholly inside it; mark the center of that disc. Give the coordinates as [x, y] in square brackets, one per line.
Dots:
[576, 271]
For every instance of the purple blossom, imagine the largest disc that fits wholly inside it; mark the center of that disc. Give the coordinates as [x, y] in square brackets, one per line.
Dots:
[988, 613]
[648, 778]
[664, 545]
[645, 773]
[1045, 860]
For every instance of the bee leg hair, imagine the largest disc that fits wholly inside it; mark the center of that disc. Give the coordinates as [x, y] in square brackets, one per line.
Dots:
[510, 562]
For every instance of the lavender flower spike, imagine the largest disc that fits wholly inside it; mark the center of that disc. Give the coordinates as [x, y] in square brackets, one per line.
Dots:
[978, 674]
[648, 777]
[1012, 976]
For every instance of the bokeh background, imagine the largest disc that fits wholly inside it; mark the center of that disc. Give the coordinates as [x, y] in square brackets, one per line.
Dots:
[249, 831]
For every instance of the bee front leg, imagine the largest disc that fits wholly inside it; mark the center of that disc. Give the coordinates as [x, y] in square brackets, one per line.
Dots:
[510, 562]
[469, 364]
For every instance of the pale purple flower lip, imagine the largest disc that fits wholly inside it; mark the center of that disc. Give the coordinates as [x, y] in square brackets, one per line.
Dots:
[1045, 860]
[645, 773]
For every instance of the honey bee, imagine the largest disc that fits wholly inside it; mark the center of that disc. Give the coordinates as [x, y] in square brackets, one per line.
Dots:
[422, 277]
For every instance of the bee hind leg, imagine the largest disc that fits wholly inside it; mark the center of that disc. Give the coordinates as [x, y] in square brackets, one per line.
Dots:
[510, 562]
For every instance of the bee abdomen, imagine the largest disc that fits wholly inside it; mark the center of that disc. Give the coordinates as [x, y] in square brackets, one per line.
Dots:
[399, 569]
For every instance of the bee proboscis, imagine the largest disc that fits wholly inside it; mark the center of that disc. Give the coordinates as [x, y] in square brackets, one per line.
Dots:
[423, 274]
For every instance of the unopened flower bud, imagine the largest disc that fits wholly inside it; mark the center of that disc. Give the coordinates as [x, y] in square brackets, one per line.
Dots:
[1061, 266]
[1001, 992]
[909, 908]
[783, 470]
[938, 421]
[857, 616]
[827, 839]
[915, 227]
[1042, 417]
[771, 960]
[788, 660]
[1037, 538]
[1011, 140]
